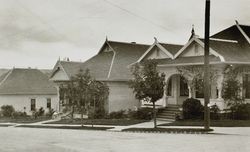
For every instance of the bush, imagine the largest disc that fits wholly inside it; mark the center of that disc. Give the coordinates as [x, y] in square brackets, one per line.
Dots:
[19, 114]
[50, 112]
[38, 113]
[192, 109]
[7, 110]
[214, 112]
[117, 115]
[241, 111]
[142, 114]
[99, 113]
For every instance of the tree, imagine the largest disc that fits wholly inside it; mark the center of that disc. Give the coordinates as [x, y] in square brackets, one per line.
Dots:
[83, 90]
[148, 84]
[231, 90]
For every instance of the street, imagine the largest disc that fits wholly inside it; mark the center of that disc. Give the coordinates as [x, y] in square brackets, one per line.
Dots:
[60, 140]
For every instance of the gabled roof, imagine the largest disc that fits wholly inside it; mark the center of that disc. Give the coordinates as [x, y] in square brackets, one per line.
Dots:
[231, 52]
[236, 32]
[169, 49]
[198, 41]
[111, 65]
[26, 82]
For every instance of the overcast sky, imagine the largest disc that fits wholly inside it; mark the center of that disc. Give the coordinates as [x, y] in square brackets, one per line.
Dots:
[35, 33]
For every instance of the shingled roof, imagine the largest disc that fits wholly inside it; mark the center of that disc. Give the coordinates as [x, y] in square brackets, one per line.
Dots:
[172, 48]
[26, 82]
[113, 64]
[233, 33]
[107, 65]
[231, 51]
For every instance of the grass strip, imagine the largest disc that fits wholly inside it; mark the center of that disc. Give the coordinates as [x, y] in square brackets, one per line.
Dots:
[213, 123]
[66, 127]
[113, 122]
[168, 130]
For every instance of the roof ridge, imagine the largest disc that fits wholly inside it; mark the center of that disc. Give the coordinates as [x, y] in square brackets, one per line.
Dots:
[72, 61]
[132, 43]
[171, 43]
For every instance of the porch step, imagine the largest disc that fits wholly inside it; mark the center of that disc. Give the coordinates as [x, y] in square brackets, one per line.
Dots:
[169, 113]
[164, 119]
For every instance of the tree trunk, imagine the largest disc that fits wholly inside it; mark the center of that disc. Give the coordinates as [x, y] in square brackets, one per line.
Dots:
[82, 116]
[72, 112]
[154, 115]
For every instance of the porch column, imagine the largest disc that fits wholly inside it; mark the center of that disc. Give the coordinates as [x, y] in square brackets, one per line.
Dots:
[219, 86]
[190, 90]
[164, 98]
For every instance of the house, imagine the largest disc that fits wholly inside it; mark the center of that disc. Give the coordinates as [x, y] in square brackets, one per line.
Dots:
[229, 47]
[28, 90]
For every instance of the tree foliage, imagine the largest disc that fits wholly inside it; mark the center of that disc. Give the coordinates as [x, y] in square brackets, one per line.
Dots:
[231, 91]
[148, 83]
[85, 94]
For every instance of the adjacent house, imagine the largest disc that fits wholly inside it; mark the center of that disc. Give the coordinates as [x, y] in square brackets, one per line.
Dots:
[28, 90]
[230, 47]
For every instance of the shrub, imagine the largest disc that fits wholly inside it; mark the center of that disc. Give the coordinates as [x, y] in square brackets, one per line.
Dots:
[241, 111]
[117, 114]
[7, 110]
[50, 112]
[19, 114]
[141, 113]
[214, 112]
[99, 113]
[38, 113]
[192, 109]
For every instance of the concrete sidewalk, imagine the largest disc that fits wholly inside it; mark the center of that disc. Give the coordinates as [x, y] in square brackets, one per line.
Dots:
[115, 128]
[149, 124]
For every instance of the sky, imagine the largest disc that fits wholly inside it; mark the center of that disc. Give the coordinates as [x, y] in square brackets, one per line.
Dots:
[36, 33]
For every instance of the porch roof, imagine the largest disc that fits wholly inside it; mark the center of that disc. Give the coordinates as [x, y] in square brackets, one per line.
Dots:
[194, 60]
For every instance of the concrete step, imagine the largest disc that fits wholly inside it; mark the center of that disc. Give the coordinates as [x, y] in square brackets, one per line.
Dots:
[165, 119]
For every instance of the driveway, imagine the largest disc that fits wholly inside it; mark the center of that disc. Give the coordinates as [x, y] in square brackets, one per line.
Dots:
[60, 140]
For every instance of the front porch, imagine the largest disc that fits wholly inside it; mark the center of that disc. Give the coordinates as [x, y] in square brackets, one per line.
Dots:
[178, 89]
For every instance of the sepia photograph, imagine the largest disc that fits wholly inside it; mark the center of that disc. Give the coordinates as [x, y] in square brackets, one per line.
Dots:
[124, 76]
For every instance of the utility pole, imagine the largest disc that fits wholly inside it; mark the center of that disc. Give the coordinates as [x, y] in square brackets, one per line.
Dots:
[206, 68]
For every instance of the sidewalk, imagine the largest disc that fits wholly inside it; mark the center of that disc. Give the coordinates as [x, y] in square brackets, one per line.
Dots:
[114, 128]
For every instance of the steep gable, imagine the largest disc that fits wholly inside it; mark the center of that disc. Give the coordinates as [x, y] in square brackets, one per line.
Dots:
[156, 53]
[194, 49]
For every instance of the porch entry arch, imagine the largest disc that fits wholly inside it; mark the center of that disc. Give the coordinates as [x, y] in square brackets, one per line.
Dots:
[177, 89]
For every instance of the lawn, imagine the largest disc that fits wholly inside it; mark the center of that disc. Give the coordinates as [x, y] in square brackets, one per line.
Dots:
[214, 123]
[66, 127]
[168, 130]
[114, 122]
[21, 120]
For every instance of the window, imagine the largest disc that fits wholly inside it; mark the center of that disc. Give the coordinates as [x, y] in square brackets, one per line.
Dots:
[183, 87]
[32, 104]
[246, 86]
[49, 103]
